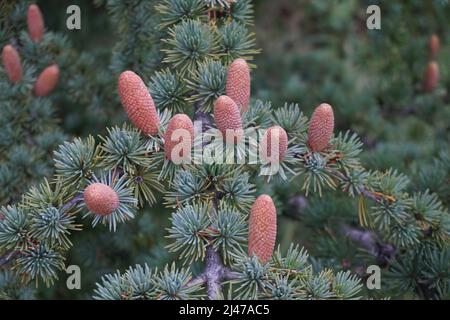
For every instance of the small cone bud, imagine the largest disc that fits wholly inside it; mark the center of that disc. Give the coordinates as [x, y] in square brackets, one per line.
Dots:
[431, 77]
[433, 46]
[47, 81]
[321, 127]
[238, 83]
[274, 135]
[35, 23]
[101, 199]
[11, 63]
[262, 231]
[227, 116]
[138, 103]
[178, 121]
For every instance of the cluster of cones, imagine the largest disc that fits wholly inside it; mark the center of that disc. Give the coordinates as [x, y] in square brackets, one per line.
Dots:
[228, 109]
[140, 107]
[431, 74]
[48, 78]
[262, 222]
[101, 199]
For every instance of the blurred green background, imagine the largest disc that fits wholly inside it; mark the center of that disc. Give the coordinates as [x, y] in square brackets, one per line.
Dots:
[312, 52]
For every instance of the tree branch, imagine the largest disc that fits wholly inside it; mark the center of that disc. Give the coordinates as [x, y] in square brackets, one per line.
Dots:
[366, 238]
[213, 273]
[198, 280]
[8, 256]
[369, 240]
[72, 202]
[228, 274]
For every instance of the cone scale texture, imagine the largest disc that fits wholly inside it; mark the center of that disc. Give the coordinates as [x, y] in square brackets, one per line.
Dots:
[46, 81]
[274, 135]
[178, 121]
[101, 199]
[138, 103]
[11, 63]
[321, 127]
[35, 23]
[238, 83]
[262, 228]
[227, 115]
[431, 77]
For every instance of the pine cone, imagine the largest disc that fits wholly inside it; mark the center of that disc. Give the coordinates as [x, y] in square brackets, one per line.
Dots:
[11, 63]
[278, 136]
[262, 231]
[431, 77]
[47, 81]
[138, 103]
[35, 23]
[321, 127]
[227, 116]
[238, 83]
[178, 121]
[101, 199]
[433, 46]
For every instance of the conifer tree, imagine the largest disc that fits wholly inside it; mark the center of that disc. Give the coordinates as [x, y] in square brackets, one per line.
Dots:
[374, 80]
[28, 117]
[224, 216]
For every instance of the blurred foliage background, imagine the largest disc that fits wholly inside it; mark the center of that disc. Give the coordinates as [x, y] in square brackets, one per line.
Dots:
[312, 52]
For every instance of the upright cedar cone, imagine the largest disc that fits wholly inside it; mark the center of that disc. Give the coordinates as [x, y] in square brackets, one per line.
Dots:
[101, 199]
[47, 81]
[278, 136]
[35, 23]
[321, 127]
[431, 77]
[433, 46]
[11, 63]
[178, 121]
[138, 103]
[227, 115]
[238, 83]
[262, 229]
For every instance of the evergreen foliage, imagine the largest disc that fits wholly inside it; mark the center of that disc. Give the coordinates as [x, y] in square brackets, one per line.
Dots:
[363, 205]
[28, 117]
[374, 81]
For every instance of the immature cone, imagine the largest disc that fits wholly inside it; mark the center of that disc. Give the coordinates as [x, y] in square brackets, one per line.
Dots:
[431, 77]
[178, 121]
[227, 115]
[262, 228]
[101, 199]
[274, 135]
[35, 23]
[433, 46]
[11, 63]
[321, 127]
[238, 83]
[47, 81]
[138, 102]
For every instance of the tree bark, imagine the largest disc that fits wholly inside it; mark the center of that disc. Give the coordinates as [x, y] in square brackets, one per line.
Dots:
[213, 273]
